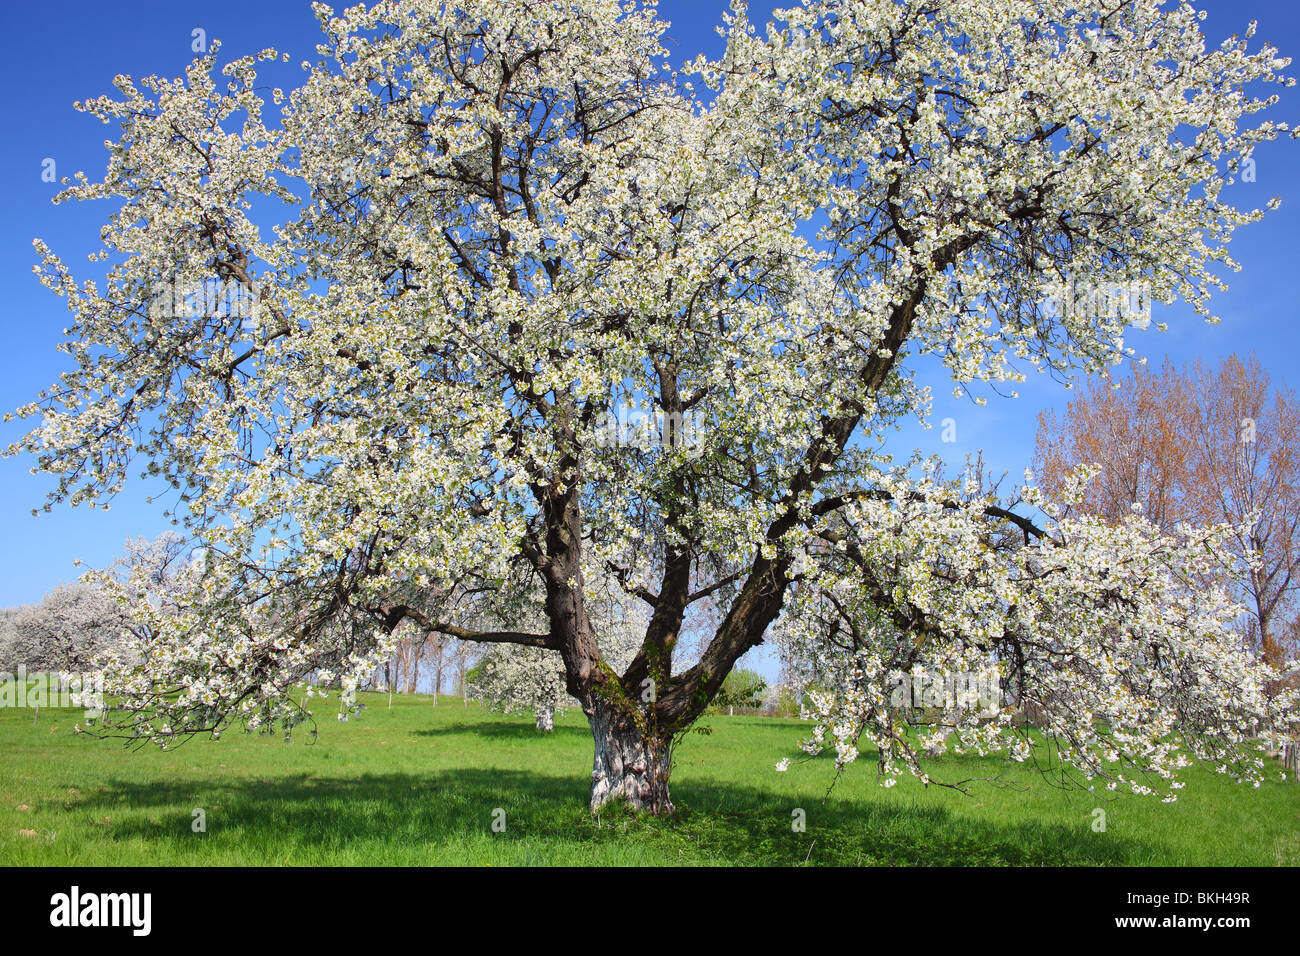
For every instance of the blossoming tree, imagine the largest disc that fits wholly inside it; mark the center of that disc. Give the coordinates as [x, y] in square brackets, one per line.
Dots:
[513, 678]
[499, 222]
[73, 624]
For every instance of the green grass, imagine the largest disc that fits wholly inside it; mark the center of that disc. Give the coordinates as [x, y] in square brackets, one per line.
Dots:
[419, 784]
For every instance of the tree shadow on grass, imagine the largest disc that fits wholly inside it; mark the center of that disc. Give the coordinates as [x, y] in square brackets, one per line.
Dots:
[393, 817]
[524, 732]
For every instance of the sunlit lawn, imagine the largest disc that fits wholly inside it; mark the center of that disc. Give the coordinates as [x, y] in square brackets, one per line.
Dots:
[421, 785]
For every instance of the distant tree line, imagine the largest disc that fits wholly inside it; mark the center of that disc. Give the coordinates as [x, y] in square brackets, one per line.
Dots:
[77, 624]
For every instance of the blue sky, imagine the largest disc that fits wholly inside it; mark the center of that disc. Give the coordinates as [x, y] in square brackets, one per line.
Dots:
[54, 52]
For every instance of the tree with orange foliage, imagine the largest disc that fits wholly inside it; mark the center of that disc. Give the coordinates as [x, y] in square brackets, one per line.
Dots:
[1201, 445]
[1134, 433]
[1244, 467]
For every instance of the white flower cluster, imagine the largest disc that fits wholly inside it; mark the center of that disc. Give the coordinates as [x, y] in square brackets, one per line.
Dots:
[1116, 643]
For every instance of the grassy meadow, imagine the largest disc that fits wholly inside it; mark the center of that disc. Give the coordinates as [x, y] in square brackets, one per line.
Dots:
[419, 785]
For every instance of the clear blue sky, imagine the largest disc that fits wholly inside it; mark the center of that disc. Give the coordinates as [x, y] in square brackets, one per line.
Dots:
[54, 52]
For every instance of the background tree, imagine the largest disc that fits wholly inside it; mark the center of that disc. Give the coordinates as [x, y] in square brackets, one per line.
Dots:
[1244, 468]
[1201, 445]
[8, 638]
[76, 625]
[1137, 433]
[461, 659]
[72, 626]
[511, 678]
[424, 652]
[435, 649]
[504, 225]
[743, 688]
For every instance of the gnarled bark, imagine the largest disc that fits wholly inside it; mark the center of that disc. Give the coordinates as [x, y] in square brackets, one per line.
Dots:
[629, 765]
[545, 715]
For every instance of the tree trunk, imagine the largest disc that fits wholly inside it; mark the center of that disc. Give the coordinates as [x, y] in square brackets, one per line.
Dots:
[413, 684]
[627, 765]
[546, 717]
[437, 676]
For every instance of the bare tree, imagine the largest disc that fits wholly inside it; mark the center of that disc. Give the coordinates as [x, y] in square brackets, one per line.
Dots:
[1135, 429]
[1202, 445]
[1244, 468]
